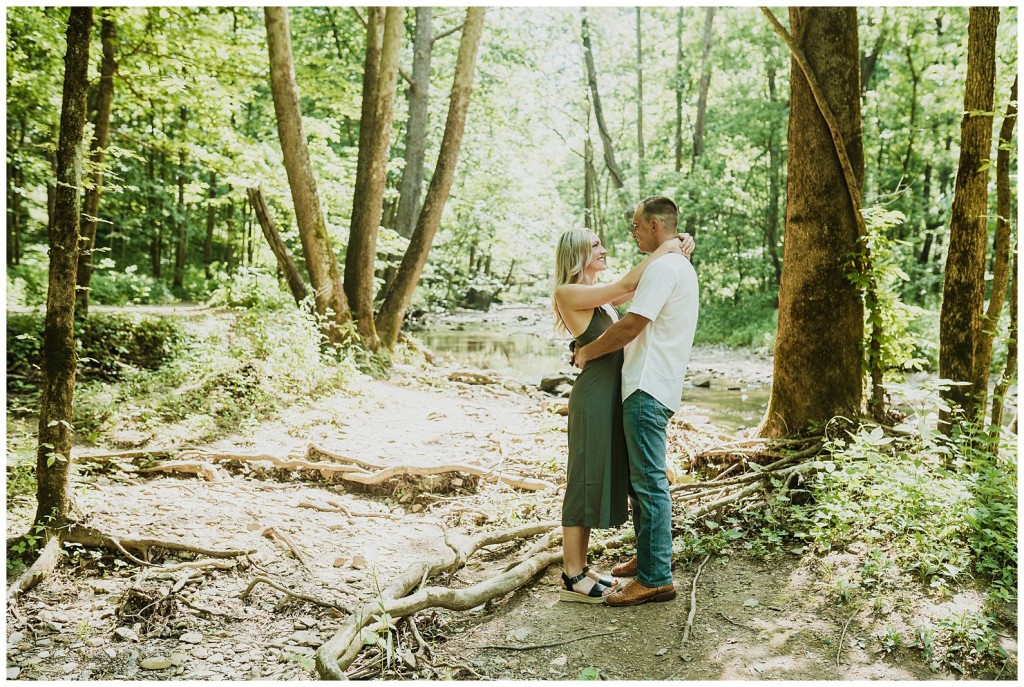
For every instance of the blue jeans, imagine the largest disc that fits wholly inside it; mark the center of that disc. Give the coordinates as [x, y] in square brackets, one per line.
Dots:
[645, 421]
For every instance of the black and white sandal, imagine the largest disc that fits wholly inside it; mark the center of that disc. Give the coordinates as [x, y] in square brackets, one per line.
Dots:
[610, 582]
[596, 595]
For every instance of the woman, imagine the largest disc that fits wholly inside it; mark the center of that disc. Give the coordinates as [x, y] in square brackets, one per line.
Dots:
[597, 479]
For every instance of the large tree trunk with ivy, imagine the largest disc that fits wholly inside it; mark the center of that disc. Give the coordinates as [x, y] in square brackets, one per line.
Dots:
[399, 294]
[963, 289]
[284, 257]
[416, 129]
[1001, 267]
[821, 316]
[56, 403]
[316, 245]
[101, 135]
[383, 40]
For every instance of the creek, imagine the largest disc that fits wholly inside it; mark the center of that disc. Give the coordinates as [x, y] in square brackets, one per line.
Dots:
[517, 340]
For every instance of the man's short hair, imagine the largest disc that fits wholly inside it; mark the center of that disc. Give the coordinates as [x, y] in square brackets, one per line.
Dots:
[662, 209]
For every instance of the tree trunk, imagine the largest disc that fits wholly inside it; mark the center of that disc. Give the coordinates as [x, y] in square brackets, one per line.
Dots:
[774, 182]
[1001, 269]
[316, 245]
[868, 60]
[963, 289]
[211, 223]
[105, 96]
[679, 89]
[642, 184]
[821, 316]
[13, 213]
[181, 247]
[1010, 371]
[416, 130]
[591, 73]
[705, 83]
[589, 181]
[396, 302]
[56, 403]
[284, 258]
[383, 41]
[912, 127]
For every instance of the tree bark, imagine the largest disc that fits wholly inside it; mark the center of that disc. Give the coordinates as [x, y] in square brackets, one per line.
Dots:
[705, 84]
[101, 135]
[181, 245]
[316, 244]
[774, 183]
[383, 41]
[642, 184]
[1001, 269]
[868, 60]
[56, 403]
[821, 316]
[396, 302]
[284, 257]
[416, 130]
[1010, 371]
[591, 73]
[963, 289]
[211, 224]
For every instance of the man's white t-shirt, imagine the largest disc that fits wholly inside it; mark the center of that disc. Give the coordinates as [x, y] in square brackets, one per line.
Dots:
[655, 361]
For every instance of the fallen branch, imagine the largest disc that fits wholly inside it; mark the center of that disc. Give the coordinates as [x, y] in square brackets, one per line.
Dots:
[333, 507]
[842, 637]
[296, 595]
[544, 645]
[715, 505]
[693, 600]
[745, 627]
[125, 455]
[37, 572]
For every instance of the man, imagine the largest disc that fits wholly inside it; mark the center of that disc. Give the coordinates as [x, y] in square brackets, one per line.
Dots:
[657, 334]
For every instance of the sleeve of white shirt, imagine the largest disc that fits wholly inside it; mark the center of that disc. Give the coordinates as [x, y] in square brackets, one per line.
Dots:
[654, 290]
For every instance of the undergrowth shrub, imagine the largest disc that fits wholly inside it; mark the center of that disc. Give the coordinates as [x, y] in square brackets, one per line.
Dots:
[751, 322]
[109, 286]
[108, 345]
[252, 288]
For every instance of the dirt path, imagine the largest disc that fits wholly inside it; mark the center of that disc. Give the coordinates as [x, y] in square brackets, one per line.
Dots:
[755, 619]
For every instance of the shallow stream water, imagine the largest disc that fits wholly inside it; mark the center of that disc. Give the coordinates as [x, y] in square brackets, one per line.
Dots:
[517, 340]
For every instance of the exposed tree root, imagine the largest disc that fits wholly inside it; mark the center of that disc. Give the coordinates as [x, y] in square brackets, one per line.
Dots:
[334, 657]
[297, 595]
[273, 533]
[37, 572]
[90, 536]
[334, 507]
[211, 473]
[545, 645]
[155, 454]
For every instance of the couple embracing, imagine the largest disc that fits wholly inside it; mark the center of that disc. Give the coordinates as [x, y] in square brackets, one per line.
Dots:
[630, 384]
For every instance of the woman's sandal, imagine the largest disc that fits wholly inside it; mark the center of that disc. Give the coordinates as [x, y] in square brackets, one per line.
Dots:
[610, 582]
[596, 595]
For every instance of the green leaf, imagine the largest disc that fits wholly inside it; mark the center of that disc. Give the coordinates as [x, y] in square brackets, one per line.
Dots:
[589, 673]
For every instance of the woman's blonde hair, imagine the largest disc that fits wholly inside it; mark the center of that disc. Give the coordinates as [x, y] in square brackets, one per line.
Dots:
[572, 258]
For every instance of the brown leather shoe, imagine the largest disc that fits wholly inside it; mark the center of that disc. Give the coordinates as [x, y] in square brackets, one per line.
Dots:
[625, 568]
[635, 594]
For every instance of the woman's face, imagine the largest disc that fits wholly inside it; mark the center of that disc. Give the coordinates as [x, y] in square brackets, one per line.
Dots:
[597, 256]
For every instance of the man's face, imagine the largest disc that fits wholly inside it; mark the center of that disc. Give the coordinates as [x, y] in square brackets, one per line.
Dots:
[643, 232]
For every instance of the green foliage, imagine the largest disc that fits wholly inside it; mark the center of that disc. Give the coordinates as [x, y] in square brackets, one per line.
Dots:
[126, 287]
[750, 323]
[589, 673]
[964, 641]
[108, 344]
[251, 287]
[27, 281]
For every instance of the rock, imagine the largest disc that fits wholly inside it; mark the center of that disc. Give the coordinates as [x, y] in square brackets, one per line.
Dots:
[703, 381]
[751, 603]
[68, 667]
[306, 638]
[45, 615]
[340, 562]
[303, 623]
[359, 563]
[178, 658]
[110, 652]
[126, 633]
[15, 637]
[13, 673]
[44, 642]
[661, 652]
[519, 634]
[191, 637]
[96, 641]
[551, 383]
[200, 652]
[216, 658]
